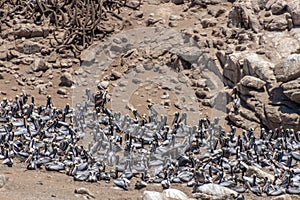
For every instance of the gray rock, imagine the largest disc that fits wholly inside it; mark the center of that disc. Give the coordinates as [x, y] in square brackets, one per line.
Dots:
[62, 91]
[177, 2]
[104, 84]
[292, 90]
[252, 82]
[232, 69]
[30, 47]
[66, 80]
[216, 190]
[39, 65]
[256, 66]
[175, 194]
[42, 88]
[152, 195]
[116, 75]
[288, 69]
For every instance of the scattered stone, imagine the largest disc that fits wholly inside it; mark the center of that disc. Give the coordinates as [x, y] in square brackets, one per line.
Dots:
[216, 190]
[39, 65]
[84, 191]
[62, 91]
[201, 94]
[20, 82]
[104, 84]
[14, 88]
[165, 95]
[116, 75]
[66, 80]
[42, 88]
[177, 2]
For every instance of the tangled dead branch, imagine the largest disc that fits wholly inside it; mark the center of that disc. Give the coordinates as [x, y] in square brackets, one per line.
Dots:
[80, 20]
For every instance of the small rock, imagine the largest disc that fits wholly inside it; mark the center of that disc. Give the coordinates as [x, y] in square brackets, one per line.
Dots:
[84, 191]
[14, 88]
[200, 94]
[116, 75]
[136, 81]
[173, 24]
[283, 197]
[139, 14]
[42, 89]
[165, 95]
[20, 82]
[123, 83]
[148, 66]
[1, 76]
[177, 2]
[62, 91]
[39, 65]
[66, 80]
[104, 84]
[252, 82]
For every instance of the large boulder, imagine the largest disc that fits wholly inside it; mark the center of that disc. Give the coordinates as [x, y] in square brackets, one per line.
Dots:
[288, 69]
[216, 190]
[252, 82]
[292, 90]
[256, 66]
